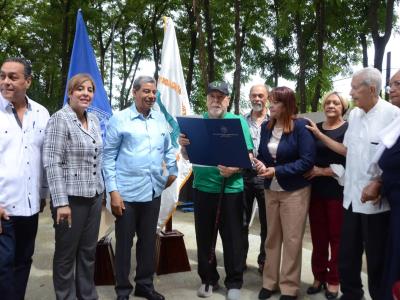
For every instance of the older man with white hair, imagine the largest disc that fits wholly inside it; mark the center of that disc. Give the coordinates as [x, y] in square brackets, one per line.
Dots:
[365, 224]
[366, 216]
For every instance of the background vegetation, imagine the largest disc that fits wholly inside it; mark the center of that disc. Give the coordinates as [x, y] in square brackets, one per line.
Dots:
[307, 41]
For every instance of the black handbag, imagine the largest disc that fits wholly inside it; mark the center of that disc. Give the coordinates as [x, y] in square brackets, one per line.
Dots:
[104, 270]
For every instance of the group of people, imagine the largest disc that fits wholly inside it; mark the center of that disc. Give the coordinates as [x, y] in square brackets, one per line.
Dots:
[343, 174]
[339, 173]
[65, 154]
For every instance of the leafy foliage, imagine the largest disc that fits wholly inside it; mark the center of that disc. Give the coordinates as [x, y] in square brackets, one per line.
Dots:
[307, 41]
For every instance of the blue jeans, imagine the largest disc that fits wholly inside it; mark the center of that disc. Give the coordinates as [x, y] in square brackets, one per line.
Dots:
[17, 243]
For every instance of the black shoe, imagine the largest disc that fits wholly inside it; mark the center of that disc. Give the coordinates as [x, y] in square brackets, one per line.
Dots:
[287, 297]
[149, 294]
[331, 295]
[316, 289]
[265, 294]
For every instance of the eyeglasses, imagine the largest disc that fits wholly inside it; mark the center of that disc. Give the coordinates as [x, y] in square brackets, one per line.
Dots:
[395, 84]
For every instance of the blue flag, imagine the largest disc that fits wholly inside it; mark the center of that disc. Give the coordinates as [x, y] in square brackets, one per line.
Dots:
[84, 61]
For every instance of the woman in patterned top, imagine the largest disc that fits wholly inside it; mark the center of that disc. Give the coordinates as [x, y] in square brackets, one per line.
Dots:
[72, 157]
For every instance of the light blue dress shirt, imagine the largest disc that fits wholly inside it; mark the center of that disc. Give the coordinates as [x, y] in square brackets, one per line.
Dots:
[136, 148]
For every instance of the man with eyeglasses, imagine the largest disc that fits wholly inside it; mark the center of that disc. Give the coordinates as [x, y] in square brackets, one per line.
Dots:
[366, 214]
[394, 89]
[207, 185]
[365, 224]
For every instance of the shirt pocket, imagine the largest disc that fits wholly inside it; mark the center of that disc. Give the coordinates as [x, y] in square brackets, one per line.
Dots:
[72, 175]
[372, 148]
[354, 142]
[37, 136]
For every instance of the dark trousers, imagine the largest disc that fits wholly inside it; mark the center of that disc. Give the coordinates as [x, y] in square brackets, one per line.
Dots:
[326, 217]
[75, 249]
[392, 258]
[138, 218]
[230, 229]
[17, 243]
[362, 232]
[252, 191]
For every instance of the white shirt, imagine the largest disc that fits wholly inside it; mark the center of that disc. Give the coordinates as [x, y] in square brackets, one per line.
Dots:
[362, 140]
[273, 148]
[22, 180]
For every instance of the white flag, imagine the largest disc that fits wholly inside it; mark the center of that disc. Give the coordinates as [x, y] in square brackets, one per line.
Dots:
[173, 101]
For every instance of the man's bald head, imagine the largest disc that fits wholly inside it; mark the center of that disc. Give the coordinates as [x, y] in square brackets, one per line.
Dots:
[258, 97]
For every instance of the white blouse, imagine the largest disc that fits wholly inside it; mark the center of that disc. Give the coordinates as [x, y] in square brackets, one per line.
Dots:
[273, 148]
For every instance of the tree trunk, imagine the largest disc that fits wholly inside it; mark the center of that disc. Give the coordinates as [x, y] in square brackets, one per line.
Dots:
[126, 71]
[320, 25]
[210, 42]
[65, 48]
[192, 49]
[102, 59]
[135, 60]
[157, 43]
[156, 47]
[364, 45]
[239, 41]
[380, 41]
[277, 44]
[301, 77]
[202, 49]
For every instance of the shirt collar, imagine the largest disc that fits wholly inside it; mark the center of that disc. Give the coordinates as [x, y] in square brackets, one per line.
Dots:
[72, 113]
[5, 103]
[29, 103]
[248, 116]
[374, 109]
[136, 114]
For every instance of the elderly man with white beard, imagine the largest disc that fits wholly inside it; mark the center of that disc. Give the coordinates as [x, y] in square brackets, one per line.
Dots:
[253, 184]
[207, 185]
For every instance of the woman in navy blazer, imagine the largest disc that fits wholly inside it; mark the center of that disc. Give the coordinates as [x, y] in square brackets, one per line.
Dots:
[286, 153]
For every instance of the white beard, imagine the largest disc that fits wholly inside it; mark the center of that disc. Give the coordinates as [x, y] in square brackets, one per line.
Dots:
[215, 113]
[257, 107]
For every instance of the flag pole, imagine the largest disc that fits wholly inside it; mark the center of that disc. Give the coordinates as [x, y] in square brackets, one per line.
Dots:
[171, 255]
[168, 224]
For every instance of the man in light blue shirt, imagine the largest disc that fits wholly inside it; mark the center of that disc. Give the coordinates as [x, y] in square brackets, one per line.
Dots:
[137, 154]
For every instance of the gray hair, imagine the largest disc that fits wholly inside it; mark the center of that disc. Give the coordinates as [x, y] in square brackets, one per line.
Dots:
[22, 61]
[265, 86]
[371, 77]
[137, 84]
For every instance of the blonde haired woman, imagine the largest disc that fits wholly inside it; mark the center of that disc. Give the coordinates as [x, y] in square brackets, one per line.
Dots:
[326, 212]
